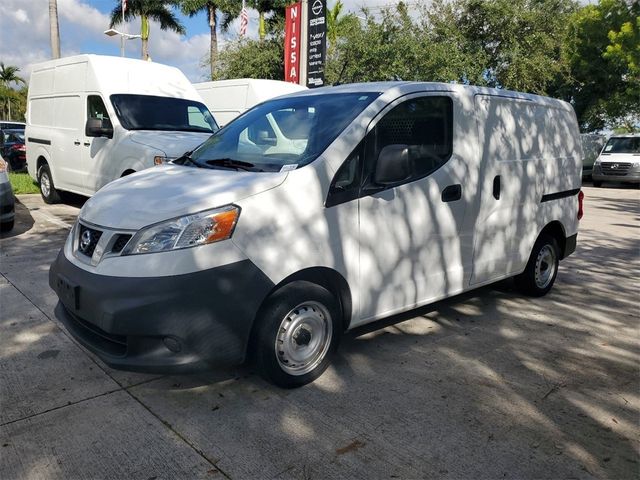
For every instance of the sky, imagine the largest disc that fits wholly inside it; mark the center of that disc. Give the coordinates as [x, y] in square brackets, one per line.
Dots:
[24, 34]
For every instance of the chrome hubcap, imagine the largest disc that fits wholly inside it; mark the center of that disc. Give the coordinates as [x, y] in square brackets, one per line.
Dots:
[45, 184]
[304, 338]
[545, 266]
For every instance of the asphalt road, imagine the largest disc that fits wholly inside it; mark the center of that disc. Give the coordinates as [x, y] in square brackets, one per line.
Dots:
[484, 385]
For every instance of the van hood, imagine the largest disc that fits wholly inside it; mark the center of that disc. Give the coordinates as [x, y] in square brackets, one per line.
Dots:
[168, 191]
[619, 157]
[173, 144]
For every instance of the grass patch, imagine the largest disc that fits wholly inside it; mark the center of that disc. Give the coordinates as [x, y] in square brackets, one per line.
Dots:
[23, 183]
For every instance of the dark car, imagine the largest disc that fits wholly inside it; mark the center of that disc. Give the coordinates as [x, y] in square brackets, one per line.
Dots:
[13, 149]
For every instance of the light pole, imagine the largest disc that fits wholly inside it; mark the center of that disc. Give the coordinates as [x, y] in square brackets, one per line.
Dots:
[112, 32]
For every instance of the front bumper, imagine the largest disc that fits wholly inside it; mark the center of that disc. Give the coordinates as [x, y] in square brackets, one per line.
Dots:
[7, 203]
[181, 323]
[632, 176]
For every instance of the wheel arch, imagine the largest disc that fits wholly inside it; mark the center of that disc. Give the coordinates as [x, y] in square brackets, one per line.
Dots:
[128, 171]
[556, 230]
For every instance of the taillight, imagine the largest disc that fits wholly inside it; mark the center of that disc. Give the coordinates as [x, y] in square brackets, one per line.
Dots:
[580, 203]
[18, 146]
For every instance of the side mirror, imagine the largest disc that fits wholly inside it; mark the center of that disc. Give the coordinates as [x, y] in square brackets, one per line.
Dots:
[97, 127]
[392, 165]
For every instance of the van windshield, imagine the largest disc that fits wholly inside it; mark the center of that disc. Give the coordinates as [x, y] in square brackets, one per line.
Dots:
[622, 145]
[147, 112]
[280, 134]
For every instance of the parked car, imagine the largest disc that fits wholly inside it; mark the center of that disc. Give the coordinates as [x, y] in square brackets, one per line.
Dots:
[92, 119]
[7, 201]
[227, 99]
[13, 149]
[592, 145]
[318, 212]
[619, 161]
[11, 125]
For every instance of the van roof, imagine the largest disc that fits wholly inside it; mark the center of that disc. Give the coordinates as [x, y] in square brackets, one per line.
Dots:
[404, 87]
[109, 75]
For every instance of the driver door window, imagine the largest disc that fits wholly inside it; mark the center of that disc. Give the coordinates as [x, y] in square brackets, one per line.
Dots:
[97, 109]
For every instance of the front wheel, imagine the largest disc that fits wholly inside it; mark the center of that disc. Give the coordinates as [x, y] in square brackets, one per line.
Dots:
[47, 188]
[542, 267]
[297, 333]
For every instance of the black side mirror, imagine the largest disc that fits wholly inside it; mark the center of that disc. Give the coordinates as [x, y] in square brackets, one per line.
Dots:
[97, 127]
[392, 165]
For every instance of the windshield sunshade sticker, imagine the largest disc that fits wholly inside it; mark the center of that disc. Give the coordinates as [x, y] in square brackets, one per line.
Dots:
[289, 167]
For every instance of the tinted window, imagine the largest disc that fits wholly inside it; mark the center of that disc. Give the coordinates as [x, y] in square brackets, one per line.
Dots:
[424, 126]
[146, 112]
[345, 185]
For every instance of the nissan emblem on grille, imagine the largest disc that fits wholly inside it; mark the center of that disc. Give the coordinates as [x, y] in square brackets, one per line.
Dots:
[85, 241]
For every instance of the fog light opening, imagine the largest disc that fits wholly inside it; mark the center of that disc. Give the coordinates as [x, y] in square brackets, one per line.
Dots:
[173, 344]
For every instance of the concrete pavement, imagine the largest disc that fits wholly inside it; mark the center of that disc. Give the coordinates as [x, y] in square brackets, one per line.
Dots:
[487, 384]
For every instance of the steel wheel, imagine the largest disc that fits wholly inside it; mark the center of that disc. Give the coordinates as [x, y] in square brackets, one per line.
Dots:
[304, 338]
[45, 183]
[545, 266]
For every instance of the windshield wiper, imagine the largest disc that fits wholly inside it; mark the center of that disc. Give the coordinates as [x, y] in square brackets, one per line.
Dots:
[231, 163]
[184, 159]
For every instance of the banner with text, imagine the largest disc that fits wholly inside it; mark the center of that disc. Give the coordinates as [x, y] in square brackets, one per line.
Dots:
[292, 43]
[316, 42]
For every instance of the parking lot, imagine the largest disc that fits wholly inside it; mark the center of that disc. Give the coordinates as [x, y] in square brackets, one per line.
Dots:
[488, 384]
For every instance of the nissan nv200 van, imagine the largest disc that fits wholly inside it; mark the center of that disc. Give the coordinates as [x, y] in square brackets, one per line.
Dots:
[318, 212]
[92, 119]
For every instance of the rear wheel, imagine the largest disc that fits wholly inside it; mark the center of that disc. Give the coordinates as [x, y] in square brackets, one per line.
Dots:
[297, 333]
[7, 226]
[542, 267]
[47, 188]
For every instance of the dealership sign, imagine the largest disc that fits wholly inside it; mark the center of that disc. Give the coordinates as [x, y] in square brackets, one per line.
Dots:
[316, 42]
[292, 43]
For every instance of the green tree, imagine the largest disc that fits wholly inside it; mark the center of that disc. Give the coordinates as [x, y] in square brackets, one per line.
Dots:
[603, 51]
[228, 8]
[9, 76]
[252, 59]
[269, 25]
[158, 10]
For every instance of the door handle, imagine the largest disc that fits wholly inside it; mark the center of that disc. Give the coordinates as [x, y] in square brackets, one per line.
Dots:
[496, 187]
[77, 142]
[452, 193]
[86, 144]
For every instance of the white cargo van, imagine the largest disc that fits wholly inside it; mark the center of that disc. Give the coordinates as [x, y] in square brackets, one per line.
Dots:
[92, 119]
[227, 99]
[369, 200]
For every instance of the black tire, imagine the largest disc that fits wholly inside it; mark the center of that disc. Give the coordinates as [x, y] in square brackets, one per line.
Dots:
[597, 183]
[302, 305]
[7, 226]
[49, 194]
[542, 268]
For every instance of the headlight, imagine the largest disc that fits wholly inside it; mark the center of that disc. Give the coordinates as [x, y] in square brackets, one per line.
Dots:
[189, 231]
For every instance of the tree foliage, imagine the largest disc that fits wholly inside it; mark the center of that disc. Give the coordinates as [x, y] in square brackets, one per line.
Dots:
[157, 10]
[248, 58]
[13, 100]
[603, 47]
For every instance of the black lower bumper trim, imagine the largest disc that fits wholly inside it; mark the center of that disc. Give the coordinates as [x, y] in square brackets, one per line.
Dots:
[570, 245]
[161, 324]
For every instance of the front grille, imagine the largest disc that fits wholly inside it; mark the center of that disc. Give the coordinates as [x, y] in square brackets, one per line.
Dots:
[120, 242]
[88, 240]
[615, 168]
[109, 343]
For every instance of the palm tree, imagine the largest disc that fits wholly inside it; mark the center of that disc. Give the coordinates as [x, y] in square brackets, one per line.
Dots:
[336, 26]
[9, 75]
[230, 9]
[157, 10]
[54, 30]
[266, 6]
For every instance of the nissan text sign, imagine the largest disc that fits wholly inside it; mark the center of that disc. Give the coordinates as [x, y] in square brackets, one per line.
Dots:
[292, 43]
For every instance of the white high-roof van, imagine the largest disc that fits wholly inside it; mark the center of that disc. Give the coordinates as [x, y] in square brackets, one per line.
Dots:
[227, 99]
[92, 119]
[318, 212]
